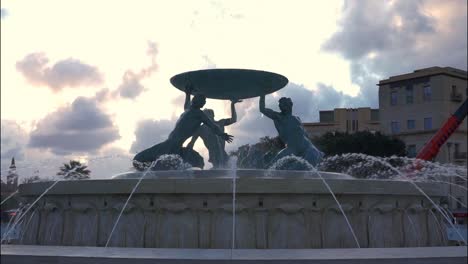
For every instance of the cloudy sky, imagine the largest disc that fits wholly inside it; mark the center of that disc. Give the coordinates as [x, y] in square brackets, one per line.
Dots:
[89, 80]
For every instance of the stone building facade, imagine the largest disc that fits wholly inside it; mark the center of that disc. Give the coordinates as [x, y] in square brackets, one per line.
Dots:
[415, 106]
[345, 120]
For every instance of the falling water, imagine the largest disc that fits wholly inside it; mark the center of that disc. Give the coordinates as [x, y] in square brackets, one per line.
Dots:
[128, 199]
[19, 217]
[12, 220]
[461, 203]
[9, 196]
[29, 208]
[233, 172]
[24, 228]
[418, 236]
[339, 206]
[295, 163]
[422, 192]
[441, 230]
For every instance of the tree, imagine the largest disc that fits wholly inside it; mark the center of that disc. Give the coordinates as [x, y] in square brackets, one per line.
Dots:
[365, 142]
[258, 155]
[74, 170]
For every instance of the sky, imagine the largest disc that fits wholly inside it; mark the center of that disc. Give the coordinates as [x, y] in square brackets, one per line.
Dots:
[89, 80]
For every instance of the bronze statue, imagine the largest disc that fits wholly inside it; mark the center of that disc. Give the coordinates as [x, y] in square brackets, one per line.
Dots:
[215, 145]
[291, 132]
[187, 124]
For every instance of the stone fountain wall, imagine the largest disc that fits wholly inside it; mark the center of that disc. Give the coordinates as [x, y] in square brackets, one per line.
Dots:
[270, 213]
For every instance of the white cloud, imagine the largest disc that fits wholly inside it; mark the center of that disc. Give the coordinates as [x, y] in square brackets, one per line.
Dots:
[65, 73]
[81, 127]
[131, 86]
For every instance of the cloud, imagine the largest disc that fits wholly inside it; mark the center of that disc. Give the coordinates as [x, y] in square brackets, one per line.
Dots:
[3, 13]
[13, 140]
[224, 12]
[373, 26]
[151, 132]
[81, 127]
[208, 63]
[382, 39]
[65, 73]
[131, 86]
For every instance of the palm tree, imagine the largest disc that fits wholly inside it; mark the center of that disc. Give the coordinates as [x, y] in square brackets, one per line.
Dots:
[74, 170]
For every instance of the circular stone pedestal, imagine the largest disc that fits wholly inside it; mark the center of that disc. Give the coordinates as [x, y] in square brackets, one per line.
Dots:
[270, 212]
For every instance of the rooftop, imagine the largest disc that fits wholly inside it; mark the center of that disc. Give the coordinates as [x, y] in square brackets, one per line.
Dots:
[431, 71]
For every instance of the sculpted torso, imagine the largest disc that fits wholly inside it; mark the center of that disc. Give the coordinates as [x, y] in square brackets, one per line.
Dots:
[186, 125]
[291, 132]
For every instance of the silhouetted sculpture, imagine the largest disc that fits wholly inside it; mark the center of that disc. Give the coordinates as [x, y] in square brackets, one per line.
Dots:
[215, 145]
[187, 124]
[291, 132]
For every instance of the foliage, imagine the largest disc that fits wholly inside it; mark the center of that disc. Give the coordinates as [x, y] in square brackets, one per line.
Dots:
[365, 142]
[259, 155]
[31, 179]
[74, 170]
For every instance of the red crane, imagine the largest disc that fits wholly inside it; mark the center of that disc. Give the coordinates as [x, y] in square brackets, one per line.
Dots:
[430, 150]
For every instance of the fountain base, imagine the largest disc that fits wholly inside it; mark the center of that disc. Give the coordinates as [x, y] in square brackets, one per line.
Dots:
[271, 213]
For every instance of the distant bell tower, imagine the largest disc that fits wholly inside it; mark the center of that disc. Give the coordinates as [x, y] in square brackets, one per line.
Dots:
[12, 177]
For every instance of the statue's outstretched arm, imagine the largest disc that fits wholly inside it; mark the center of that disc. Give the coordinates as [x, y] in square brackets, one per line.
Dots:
[266, 111]
[209, 123]
[233, 119]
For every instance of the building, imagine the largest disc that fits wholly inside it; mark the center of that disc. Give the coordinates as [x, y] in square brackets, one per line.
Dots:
[344, 120]
[414, 106]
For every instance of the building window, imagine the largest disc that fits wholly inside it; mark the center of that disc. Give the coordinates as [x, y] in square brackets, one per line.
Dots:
[427, 123]
[327, 116]
[457, 149]
[454, 89]
[374, 115]
[410, 124]
[354, 125]
[393, 98]
[395, 126]
[411, 151]
[427, 92]
[409, 94]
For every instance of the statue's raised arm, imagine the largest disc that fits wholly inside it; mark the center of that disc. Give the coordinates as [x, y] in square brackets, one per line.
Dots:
[188, 91]
[267, 111]
[233, 119]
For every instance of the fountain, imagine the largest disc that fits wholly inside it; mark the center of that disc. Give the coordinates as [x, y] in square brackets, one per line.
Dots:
[291, 206]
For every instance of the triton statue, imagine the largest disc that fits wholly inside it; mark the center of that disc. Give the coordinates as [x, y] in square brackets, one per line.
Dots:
[215, 145]
[291, 132]
[187, 124]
